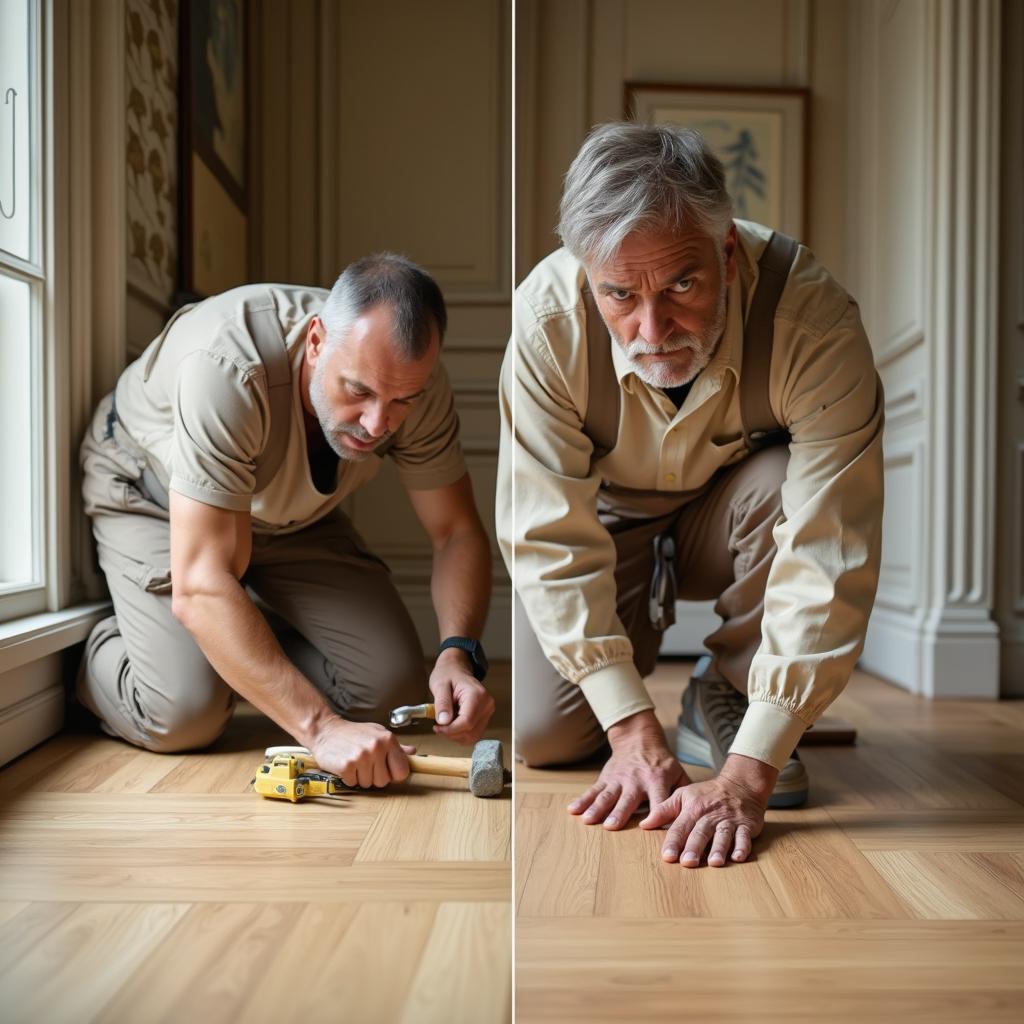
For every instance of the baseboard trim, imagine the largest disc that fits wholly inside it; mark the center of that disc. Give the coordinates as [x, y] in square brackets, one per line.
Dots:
[28, 722]
[892, 649]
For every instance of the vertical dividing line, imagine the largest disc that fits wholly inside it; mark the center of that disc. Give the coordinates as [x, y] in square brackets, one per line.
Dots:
[512, 497]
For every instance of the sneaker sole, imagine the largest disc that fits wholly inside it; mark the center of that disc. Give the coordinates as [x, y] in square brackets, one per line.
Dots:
[695, 750]
[692, 748]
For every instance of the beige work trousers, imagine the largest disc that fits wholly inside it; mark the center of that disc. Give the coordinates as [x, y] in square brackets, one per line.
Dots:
[338, 616]
[724, 549]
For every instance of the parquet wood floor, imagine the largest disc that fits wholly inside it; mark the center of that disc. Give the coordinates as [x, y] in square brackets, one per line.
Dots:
[138, 887]
[897, 894]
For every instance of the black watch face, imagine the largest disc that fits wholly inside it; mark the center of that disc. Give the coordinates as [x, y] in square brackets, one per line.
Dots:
[479, 660]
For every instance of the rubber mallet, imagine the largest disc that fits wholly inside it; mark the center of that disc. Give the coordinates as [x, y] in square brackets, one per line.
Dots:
[484, 770]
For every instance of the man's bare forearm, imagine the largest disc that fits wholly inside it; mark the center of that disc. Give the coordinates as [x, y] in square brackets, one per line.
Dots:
[240, 645]
[460, 584]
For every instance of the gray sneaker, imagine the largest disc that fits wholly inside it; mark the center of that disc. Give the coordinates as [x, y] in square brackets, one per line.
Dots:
[712, 711]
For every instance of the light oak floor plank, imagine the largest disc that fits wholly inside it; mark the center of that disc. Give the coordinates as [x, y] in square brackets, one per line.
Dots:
[77, 966]
[463, 947]
[987, 886]
[136, 886]
[896, 894]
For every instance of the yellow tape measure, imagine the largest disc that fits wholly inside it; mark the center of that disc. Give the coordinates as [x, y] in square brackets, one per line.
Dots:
[294, 777]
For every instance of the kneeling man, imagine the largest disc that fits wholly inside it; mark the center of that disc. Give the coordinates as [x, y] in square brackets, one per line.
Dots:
[214, 473]
[690, 409]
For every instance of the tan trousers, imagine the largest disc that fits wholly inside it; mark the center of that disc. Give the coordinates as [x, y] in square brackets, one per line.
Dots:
[340, 619]
[724, 549]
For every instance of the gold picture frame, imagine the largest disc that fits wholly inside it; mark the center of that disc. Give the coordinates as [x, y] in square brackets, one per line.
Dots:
[760, 134]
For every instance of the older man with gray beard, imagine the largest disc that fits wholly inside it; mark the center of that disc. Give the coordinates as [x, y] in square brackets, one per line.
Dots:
[214, 475]
[690, 410]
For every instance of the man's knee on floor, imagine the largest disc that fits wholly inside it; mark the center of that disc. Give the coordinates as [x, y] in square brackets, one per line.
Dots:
[549, 741]
[192, 720]
[397, 682]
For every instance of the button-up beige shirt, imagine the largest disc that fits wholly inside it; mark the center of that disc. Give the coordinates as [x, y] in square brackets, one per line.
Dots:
[823, 388]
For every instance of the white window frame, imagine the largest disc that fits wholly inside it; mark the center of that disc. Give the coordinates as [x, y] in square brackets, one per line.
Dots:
[80, 86]
[19, 599]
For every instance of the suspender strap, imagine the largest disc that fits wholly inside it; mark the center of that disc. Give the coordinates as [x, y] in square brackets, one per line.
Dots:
[760, 427]
[265, 331]
[604, 396]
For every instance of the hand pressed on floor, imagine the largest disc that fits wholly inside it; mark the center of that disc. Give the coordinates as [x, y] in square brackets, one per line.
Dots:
[726, 812]
[641, 768]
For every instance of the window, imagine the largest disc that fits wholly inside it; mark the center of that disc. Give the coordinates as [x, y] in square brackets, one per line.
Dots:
[22, 297]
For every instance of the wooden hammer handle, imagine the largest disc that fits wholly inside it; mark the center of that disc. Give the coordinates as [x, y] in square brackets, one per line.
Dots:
[431, 764]
[425, 764]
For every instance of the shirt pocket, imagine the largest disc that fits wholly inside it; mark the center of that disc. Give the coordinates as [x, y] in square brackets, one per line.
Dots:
[728, 449]
[153, 579]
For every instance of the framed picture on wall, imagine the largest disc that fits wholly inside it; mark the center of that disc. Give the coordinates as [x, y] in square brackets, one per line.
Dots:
[214, 149]
[760, 135]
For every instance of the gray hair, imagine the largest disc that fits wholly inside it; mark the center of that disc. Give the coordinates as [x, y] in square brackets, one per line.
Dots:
[637, 177]
[415, 300]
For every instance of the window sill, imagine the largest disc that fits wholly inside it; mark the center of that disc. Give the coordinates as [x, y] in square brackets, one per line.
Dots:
[35, 636]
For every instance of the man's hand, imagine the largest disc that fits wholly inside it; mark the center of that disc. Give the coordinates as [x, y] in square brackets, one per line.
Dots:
[462, 706]
[362, 753]
[727, 812]
[641, 768]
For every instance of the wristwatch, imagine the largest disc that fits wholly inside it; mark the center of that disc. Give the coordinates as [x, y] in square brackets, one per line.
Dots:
[473, 648]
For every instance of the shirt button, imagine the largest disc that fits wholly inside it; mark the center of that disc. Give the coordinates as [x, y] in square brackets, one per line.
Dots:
[670, 477]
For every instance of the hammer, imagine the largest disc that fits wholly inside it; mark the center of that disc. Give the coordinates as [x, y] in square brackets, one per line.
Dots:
[484, 770]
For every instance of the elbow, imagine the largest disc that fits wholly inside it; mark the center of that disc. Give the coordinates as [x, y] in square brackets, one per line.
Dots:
[188, 594]
[183, 606]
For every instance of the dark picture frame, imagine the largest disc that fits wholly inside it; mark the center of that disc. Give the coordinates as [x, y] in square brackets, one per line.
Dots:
[762, 135]
[214, 147]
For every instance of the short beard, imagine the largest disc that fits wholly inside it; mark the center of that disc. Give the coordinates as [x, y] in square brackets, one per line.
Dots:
[333, 430]
[702, 346]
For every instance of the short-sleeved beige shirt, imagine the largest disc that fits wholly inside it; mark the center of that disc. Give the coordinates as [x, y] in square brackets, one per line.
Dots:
[197, 402]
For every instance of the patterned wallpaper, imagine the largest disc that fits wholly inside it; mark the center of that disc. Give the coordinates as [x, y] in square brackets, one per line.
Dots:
[152, 146]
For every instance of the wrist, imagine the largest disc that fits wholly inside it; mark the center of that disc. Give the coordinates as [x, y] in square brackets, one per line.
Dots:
[455, 657]
[641, 728]
[757, 777]
[316, 725]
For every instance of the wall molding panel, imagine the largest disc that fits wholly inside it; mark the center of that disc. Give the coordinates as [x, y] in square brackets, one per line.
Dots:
[928, 112]
[898, 345]
[904, 405]
[901, 583]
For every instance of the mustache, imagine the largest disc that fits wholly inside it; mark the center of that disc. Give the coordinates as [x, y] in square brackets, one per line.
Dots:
[674, 343]
[356, 431]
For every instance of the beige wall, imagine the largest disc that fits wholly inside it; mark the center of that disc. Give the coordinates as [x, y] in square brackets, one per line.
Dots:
[576, 55]
[387, 126]
[574, 58]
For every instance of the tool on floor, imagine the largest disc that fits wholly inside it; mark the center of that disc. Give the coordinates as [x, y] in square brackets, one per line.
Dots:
[291, 773]
[409, 713]
[484, 770]
[294, 776]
